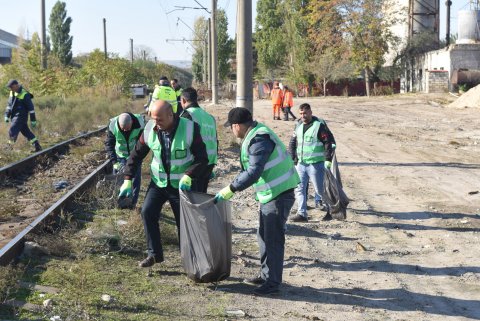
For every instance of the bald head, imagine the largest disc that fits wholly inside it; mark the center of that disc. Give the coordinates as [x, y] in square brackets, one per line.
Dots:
[162, 113]
[125, 122]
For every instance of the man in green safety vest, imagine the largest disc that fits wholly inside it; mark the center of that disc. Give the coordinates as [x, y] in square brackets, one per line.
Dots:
[267, 167]
[178, 89]
[163, 91]
[311, 147]
[208, 130]
[179, 156]
[122, 135]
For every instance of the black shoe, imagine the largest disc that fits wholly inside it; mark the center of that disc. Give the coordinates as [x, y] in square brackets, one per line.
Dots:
[266, 289]
[149, 261]
[298, 218]
[321, 206]
[327, 217]
[37, 147]
[254, 281]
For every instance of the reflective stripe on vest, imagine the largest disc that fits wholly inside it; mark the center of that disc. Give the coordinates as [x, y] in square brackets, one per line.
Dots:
[310, 149]
[208, 130]
[122, 147]
[165, 93]
[181, 157]
[279, 174]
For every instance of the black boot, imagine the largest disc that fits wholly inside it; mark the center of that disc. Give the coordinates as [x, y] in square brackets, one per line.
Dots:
[37, 146]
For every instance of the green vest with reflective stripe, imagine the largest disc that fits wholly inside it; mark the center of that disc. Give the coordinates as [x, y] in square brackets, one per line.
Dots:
[178, 92]
[208, 130]
[165, 93]
[122, 147]
[19, 95]
[310, 149]
[181, 156]
[279, 173]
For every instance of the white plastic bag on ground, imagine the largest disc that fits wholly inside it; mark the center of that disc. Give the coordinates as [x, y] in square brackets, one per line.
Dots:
[205, 237]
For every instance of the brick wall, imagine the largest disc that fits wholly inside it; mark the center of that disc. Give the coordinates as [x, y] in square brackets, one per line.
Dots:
[437, 81]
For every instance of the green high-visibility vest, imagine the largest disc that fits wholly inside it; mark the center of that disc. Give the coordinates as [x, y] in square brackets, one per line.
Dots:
[310, 149]
[179, 92]
[165, 93]
[122, 147]
[208, 130]
[19, 95]
[279, 174]
[181, 156]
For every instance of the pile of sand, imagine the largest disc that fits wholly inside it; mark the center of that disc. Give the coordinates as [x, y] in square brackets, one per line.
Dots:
[469, 99]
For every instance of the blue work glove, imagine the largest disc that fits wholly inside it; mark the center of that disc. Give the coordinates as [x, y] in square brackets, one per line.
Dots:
[126, 188]
[117, 166]
[327, 165]
[7, 119]
[185, 183]
[34, 124]
[224, 194]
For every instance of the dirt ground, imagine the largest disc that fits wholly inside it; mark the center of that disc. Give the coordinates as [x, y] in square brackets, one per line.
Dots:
[411, 169]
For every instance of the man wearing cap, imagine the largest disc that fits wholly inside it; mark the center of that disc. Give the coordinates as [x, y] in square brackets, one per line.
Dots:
[122, 135]
[208, 130]
[163, 91]
[179, 156]
[311, 147]
[19, 107]
[267, 167]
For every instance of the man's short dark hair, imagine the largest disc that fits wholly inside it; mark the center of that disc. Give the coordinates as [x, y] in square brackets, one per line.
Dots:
[175, 80]
[304, 106]
[190, 95]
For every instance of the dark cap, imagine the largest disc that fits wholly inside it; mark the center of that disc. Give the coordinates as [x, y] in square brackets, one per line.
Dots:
[12, 82]
[238, 115]
[163, 81]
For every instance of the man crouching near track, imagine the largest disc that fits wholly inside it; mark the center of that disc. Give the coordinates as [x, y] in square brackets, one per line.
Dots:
[179, 156]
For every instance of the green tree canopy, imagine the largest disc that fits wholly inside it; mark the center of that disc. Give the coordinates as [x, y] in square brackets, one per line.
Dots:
[59, 28]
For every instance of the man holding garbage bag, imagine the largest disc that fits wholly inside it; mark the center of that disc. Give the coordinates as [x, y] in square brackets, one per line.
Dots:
[267, 167]
[179, 156]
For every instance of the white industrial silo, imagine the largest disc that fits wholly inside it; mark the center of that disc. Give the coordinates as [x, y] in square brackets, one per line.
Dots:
[424, 16]
[468, 26]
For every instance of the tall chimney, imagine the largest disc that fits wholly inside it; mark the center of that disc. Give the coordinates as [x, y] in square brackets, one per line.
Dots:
[448, 3]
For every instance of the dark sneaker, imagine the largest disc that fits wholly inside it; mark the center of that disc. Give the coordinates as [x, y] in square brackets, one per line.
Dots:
[321, 206]
[327, 217]
[298, 218]
[254, 281]
[149, 261]
[37, 147]
[267, 289]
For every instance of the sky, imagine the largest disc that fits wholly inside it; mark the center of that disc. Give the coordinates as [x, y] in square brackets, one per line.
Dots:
[148, 22]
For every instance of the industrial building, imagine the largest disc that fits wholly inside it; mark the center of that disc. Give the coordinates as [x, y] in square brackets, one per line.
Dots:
[440, 70]
[8, 41]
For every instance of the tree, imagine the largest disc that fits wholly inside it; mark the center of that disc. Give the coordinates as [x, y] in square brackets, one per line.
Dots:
[59, 28]
[269, 38]
[200, 36]
[330, 67]
[367, 26]
[225, 45]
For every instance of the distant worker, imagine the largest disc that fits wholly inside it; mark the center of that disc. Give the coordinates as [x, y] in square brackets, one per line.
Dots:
[163, 91]
[179, 156]
[288, 103]
[311, 147]
[208, 130]
[122, 136]
[19, 107]
[178, 89]
[267, 167]
[277, 100]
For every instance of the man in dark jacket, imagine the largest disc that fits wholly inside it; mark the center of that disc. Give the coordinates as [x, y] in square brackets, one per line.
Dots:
[122, 135]
[19, 107]
[179, 156]
[311, 148]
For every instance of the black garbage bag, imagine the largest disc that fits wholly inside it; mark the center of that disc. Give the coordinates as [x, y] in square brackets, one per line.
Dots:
[205, 237]
[333, 192]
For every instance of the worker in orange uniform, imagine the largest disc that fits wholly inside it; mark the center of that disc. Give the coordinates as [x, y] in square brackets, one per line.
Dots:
[277, 100]
[287, 103]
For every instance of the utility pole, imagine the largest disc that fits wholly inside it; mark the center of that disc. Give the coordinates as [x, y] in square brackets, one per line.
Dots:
[43, 47]
[131, 50]
[105, 37]
[209, 76]
[214, 53]
[205, 49]
[244, 55]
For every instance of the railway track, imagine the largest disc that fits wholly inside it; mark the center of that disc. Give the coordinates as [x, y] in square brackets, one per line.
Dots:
[43, 203]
